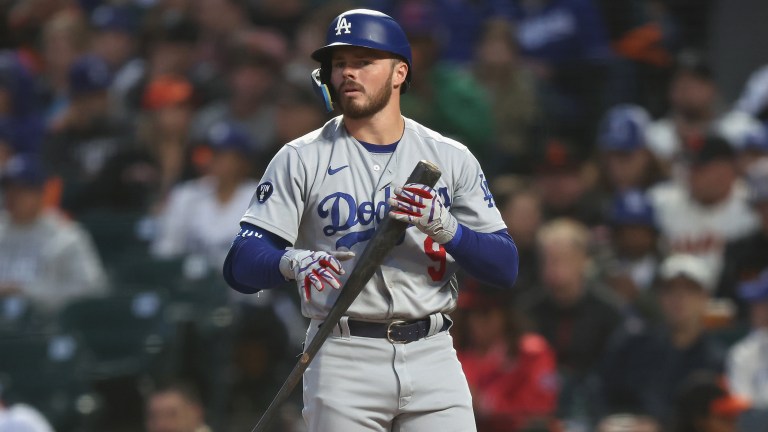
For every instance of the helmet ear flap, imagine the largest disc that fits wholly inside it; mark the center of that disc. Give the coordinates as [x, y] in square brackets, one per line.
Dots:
[320, 85]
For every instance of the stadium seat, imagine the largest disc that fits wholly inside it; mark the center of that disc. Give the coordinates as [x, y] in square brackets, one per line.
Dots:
[110, 228]
[14, 314]
[144, 270]
[127, 333]
[48, 371]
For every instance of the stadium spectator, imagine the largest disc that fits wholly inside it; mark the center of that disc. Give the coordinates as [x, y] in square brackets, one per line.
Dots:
[298, 113]
[626, 161]
[747, 367]
[511, 87]
[564, 182]
[521, 211]
[283, 16]
[254, 60]
[64, 39]
[215, 200]
[634, 260]
[7, 142]
[745, 257]
[643, 40]
[19, 104]
[628, 423]
[444, 98]
[704, 404]
[709, 208]
[43, 257]
[564, 43]
[558, 33]
[172, 38]
[693, 97]
[573, 315]
[511, 372]
[114, 39]
[168, 105]
[219, 21]
[175, 408]
[86, 134]
[645, 365]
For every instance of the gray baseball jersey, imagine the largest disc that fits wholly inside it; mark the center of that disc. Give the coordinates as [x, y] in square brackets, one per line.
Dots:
[326, 191]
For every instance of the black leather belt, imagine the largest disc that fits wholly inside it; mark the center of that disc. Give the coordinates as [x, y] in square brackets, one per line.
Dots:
[395, 331]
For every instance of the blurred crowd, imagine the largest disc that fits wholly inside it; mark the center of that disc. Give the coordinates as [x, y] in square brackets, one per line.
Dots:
[133, 133]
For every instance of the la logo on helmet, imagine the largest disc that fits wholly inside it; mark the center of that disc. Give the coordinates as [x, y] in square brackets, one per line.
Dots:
[342, 24]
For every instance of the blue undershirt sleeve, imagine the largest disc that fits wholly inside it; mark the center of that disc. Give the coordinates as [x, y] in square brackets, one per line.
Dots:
[253, 261]
[489, 257]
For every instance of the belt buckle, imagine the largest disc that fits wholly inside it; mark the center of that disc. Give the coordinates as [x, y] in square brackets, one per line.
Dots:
[389, 332]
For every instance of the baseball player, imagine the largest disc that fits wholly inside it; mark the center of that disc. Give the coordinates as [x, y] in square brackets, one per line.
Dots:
[389, 364]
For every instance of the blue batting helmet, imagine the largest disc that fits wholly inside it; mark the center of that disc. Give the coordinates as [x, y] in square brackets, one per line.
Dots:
[361, 28]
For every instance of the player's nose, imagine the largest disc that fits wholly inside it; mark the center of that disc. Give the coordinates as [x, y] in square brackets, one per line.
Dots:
[349, 71]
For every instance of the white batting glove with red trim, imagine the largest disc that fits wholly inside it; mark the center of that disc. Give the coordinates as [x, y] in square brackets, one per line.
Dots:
[313, 269]
[421, 206]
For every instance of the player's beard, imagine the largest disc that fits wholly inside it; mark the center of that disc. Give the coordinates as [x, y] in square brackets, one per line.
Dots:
[370, 106]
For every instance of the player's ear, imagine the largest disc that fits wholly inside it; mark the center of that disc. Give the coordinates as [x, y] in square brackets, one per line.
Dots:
[399, 73]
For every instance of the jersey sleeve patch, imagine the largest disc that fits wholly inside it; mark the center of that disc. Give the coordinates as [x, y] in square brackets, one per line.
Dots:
[264, 191]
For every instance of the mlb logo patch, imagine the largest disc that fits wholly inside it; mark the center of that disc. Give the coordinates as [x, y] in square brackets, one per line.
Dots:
[264, 191]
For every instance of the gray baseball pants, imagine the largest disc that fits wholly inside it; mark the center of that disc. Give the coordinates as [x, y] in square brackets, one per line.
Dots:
[360, 384]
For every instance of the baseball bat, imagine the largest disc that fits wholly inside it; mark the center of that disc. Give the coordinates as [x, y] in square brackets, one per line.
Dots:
[383, 240]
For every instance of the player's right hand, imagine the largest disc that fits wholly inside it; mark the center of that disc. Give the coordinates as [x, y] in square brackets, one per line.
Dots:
[312, 269]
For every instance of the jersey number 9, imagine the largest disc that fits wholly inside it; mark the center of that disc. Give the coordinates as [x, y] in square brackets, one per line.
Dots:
[436, 254]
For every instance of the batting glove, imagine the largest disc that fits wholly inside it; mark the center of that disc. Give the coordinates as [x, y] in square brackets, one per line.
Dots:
[422, 207]
[313, 269]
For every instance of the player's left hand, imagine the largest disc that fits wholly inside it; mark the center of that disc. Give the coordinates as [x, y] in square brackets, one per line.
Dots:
[422, 207]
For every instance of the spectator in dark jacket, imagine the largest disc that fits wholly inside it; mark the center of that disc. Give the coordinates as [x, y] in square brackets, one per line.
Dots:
[573, 313]
[645, 365]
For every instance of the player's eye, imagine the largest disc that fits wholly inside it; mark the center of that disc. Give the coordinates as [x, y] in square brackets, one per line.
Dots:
[339, 65]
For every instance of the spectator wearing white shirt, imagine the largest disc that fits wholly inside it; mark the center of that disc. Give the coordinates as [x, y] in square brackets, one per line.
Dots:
[45, 258]
[195, 219]
[709, 208]
[194, 224]
[695, 110]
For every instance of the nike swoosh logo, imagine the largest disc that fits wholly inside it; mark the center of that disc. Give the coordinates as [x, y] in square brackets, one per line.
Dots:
[332, 171]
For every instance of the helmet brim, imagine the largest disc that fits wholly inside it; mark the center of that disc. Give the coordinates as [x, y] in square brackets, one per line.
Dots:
[323, 54]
